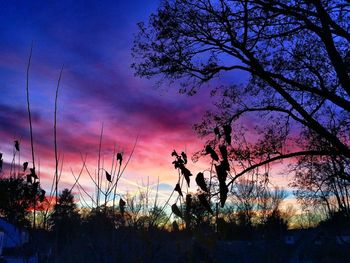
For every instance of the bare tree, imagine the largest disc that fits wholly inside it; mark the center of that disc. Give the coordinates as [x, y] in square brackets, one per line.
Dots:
[296, 54]
[320, 182]
[245, 197]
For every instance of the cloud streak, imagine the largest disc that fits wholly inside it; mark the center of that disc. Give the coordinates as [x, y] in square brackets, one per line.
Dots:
[93, 41]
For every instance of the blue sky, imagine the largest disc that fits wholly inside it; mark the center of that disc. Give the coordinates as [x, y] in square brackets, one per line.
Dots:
[93, 41]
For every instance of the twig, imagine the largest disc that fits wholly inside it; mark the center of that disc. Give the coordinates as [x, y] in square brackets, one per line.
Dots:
[28, 106]
[55, 135]
[80, 173]
[82, 188]
[98, 168]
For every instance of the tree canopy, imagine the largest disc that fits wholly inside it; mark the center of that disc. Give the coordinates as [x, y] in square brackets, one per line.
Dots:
[297, 56]
[65, 214]
[18, 198]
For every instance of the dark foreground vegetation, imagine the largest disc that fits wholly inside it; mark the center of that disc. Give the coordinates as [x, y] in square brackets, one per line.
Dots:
[294, 106]
[252, 226]
[93, 242]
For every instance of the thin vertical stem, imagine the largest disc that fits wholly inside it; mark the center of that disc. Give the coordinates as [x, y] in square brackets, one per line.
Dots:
[99, 180]
[55, 135]
[156, 197]
[30, 126]
[28, 106]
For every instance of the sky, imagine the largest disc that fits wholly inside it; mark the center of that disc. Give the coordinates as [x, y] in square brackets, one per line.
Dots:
[92, 40]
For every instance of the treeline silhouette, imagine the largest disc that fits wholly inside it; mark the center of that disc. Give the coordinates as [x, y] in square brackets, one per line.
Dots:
[138, 229]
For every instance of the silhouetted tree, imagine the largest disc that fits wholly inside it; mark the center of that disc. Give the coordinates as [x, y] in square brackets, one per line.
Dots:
[245, 197]
[337, 221]
[195, 210]
[321, 182]
[157, 217]
[17, 199]
[65, 218]
[198, 214]
[275, 225]
[100, 222]
[269, 203]
[253, 206]
[295, 53]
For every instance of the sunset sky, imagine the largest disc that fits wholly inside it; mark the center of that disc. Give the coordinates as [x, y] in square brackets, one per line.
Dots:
[93, 41]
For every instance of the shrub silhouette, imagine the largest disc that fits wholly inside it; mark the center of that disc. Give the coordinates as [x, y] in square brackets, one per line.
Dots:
[65, 217]
[17, 198]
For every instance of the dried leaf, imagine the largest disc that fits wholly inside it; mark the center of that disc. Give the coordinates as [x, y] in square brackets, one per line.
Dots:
[174, 153]
[221, 172]
[176, 210]
[178, 189]
[17, 145]
[184, 157]
[213, 155]
[25, 166]
[176, 164]
[119, 158]
[223, 193]
[33, 174]
[108, 177]
[186, 173]
[201, 182]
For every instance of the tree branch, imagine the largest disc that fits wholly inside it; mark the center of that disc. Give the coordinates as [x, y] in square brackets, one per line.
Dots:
[280, 157]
